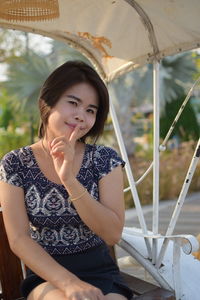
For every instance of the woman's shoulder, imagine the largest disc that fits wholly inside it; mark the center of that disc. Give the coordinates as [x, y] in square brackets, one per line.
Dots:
[105, 159]
[104, 152]
[15, 155]
[10, 156]
[11, 166]
[17, 159]
[101, 149]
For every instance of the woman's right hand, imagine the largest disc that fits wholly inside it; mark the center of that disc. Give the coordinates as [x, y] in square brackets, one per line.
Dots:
[81, 290]
[62, 150]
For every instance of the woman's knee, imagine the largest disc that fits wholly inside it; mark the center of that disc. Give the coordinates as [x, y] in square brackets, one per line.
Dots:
[114, 296]
[46, 291]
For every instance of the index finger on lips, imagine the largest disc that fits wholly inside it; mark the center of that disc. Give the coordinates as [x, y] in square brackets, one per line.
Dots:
[68, 132]
[74, 135]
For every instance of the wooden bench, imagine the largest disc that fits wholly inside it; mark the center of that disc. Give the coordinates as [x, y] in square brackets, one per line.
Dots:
[11, 276]
[10, 268]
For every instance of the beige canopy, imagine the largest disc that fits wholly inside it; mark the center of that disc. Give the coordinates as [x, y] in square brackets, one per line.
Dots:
[116, 35]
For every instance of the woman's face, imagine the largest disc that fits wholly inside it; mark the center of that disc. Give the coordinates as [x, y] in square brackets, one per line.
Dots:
[76, 107]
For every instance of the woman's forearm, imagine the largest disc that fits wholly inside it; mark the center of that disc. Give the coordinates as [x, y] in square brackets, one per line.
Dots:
[99, 218]
[40, 262]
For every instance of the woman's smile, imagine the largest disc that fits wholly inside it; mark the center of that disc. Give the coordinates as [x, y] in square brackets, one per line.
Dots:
[73, 126]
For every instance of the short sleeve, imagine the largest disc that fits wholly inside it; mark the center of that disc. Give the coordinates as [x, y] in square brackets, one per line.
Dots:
[105, 160]
[9, 170]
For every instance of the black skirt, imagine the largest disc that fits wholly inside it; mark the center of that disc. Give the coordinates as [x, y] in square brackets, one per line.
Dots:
[95, 266]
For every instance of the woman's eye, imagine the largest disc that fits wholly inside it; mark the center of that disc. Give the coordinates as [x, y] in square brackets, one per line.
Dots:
[91, 111]
[73, 102]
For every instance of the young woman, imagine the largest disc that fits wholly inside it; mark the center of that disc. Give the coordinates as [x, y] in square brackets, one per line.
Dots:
[62, 199]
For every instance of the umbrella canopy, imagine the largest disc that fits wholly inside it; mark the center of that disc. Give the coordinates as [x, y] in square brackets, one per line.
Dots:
[116, 35]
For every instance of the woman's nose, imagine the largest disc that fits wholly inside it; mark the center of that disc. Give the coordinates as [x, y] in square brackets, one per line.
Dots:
[79, 116]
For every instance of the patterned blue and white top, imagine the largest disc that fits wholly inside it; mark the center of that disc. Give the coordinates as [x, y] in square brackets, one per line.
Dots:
[54, 221]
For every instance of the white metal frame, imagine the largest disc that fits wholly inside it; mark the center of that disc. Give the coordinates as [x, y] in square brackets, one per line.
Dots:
[152, 262]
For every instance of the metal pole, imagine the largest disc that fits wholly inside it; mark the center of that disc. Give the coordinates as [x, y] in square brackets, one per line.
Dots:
[156, 137]
[129, 171]
[180, 202]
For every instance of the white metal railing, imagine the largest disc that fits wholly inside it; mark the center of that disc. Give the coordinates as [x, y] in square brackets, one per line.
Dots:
[128, 170]
[169, 274]
[155, 254]
[180, 202]
[156, 164]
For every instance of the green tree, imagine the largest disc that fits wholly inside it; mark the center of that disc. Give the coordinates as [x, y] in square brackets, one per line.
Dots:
[61, 52]
[187, 127]
[25, 76]
[6, 112]
[8, 38]
[176, 73]
[135, 89]
[26, 72]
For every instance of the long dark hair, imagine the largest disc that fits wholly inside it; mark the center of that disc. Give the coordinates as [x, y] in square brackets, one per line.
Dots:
[64, 77]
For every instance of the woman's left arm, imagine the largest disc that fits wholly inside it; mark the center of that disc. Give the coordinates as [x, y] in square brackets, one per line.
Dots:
[104, 217]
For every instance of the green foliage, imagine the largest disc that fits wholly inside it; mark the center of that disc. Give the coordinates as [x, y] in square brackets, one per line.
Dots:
[196, 56]
[12, 139]
[12, 44]
[12, 118]
[26, 72]
[61, 52]
[187, 127]
[6, 113]
[6, 117]
[25, 75]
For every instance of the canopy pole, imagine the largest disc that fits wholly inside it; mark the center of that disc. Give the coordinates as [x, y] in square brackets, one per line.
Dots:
[128, 170]
[156, 137]
[180, 202]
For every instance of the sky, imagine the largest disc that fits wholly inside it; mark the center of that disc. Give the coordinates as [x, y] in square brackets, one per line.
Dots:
[36, 41]
[39, 41]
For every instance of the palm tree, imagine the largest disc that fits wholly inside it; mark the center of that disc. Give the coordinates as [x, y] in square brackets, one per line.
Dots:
[61, 52]
[135, 89]
[25, 76]
[8, 38]
[6, 113]
[27, 72]
[176, 72]
[187, 127]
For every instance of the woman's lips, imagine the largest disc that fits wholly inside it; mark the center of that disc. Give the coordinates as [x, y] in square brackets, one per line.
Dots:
[73, 126]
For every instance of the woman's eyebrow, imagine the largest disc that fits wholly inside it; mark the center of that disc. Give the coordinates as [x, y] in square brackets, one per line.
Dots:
[74, 97]
[93, 106]
[79, 100]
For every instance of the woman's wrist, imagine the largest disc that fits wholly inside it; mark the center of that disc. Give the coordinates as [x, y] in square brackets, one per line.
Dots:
[75, 190]
[65, 280]
[70, 183]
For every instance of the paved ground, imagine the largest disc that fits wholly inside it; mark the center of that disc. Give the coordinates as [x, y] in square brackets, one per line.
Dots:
[188, 223]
